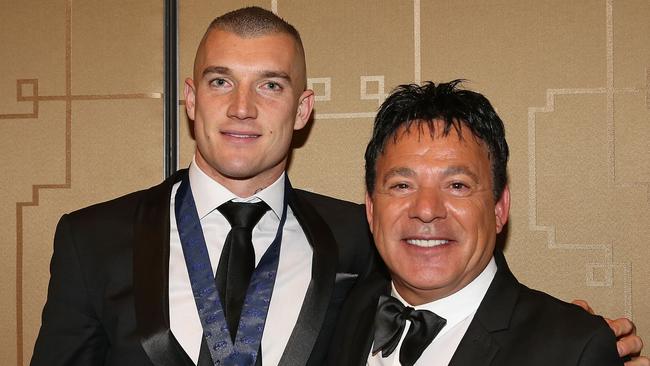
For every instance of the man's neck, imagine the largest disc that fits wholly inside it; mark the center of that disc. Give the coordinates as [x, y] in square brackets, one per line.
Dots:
[242, 187]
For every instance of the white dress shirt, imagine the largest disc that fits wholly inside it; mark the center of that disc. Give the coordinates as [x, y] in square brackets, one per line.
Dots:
[294, 268]
[458, 309]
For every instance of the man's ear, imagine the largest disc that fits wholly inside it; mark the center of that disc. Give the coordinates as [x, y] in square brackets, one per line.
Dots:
[190, 97]
[502, 209]
[305, 106]
[369, 210]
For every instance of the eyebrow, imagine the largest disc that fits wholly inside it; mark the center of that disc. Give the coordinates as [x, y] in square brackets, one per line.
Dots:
[461, 169]
[276, 74]
[398, 171]
[216, 70]
[452, 170]
[264, 73]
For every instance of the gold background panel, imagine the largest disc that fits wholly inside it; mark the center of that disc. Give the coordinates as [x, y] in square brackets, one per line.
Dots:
[632, 136]
[331, 161]
[32, 151]
[632, 54]
[32, 33]
[346, 41]
[116, 47]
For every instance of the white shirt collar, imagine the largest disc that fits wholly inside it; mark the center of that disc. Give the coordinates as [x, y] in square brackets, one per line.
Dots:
[461, 304]
[209, 194]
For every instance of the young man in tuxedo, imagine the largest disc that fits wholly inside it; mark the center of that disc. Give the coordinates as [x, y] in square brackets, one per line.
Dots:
[120, 291]
[126, 275]
[437, 196]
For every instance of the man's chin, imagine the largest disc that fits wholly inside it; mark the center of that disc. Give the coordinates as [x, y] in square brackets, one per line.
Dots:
[421, 282]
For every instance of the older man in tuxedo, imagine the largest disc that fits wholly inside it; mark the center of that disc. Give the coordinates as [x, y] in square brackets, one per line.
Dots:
[437, 196]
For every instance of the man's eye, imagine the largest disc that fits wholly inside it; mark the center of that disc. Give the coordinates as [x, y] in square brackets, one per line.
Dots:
[273, 85]
[400, 186]
[219, 82]
[458, 185]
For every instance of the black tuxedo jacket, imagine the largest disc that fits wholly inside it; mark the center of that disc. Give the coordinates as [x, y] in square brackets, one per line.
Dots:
[513, 326]
[108, 303]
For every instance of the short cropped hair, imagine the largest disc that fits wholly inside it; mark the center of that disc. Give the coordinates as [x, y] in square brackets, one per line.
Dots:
[457, 108]
[254, 21]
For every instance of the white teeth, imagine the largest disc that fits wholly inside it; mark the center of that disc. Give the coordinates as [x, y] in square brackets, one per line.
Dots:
[242, 136]
[426, 243]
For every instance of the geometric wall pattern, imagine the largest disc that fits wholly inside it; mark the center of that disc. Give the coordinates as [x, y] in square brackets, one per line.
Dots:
[81, 121]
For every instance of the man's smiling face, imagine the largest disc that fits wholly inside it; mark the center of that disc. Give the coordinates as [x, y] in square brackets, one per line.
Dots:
[246, 99]
[432, 212]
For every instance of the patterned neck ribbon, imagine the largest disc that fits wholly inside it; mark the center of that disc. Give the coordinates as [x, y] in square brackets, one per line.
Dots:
[243, 352]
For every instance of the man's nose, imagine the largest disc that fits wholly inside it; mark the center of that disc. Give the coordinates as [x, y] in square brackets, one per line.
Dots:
[242, 104]
[428, 205]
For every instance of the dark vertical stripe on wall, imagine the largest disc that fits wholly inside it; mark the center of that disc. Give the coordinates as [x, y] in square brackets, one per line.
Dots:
[170, 108]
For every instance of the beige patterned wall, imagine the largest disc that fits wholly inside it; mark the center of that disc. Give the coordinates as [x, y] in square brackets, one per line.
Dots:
[81, 121]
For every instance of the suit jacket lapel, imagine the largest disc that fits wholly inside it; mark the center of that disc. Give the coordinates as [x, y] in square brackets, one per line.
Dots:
[354, 332]
[478, 346]
[324, 265]
[358, 347]
[151, 276]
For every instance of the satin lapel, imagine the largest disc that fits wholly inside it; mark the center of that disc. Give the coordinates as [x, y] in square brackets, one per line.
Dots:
[324, 265]
[151, 276]
[478, 346]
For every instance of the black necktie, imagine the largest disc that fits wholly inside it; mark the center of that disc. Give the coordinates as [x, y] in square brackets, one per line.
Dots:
[390, 322]
[237, 260]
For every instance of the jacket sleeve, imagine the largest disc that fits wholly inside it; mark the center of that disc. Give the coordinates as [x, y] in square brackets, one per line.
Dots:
[600, 350]
[71, 333]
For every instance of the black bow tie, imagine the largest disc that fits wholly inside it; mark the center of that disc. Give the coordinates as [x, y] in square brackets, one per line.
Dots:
[390, 321]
